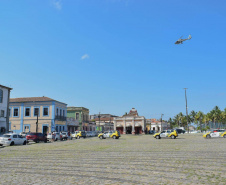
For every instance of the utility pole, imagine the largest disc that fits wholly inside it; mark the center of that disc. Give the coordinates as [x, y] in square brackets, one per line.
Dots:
[186, 107]
[37, 125]
[161, 121]
[99, 121]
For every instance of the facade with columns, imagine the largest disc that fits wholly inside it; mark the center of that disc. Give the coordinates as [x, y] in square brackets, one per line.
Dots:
[130, 123]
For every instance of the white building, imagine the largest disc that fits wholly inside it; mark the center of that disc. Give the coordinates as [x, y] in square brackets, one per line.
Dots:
[4, 108]
[130, 123]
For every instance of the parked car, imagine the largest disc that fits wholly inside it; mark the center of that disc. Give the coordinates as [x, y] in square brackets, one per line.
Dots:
[11, 139]
[36, 137]
[180, 131]
[89, 134]
[56, 136]
[78, 134]
[151, 132]
[115, 134]
[93, 133]
[64, 136]
[166, 134]
[214, 133]
[23, 134]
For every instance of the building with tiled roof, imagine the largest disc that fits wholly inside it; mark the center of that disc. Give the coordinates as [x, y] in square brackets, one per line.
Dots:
[130, 123]
[24, 113]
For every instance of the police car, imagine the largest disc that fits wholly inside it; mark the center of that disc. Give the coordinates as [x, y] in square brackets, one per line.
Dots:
[215, 133]
[166, 134]
[115, 134]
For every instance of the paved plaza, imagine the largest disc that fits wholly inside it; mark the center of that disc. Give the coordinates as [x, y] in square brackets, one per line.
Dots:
[140, 159]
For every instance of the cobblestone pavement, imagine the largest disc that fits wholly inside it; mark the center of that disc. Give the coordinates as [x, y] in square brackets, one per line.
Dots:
[189, 159]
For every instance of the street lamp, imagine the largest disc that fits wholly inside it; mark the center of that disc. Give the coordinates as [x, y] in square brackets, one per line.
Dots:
[161, 121]
[14, 128]
[99, 121]
[186, 107]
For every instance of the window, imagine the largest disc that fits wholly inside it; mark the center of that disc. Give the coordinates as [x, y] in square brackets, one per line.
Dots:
[77, 116]
[60, 128]
[9, 112]
[60, 112]
[26, 129]
[16, 112]
[57, 111]
[36, 111]
[63, 113]
[45, 111]
[63, 128]
[27, 111]
[1, 96]
[14, 136]
[56, 128]
[2, 113]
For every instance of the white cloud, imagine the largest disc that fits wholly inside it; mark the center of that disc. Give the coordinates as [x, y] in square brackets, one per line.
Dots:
[86, 56]
[57, 4]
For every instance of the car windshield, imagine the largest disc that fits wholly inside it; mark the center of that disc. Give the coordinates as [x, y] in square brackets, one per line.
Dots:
[6, 135]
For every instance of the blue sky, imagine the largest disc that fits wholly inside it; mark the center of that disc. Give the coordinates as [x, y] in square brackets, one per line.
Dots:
[112, 55]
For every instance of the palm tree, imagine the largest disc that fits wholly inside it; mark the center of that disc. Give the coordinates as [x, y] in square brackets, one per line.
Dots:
[177, 119]
[181, 118]
[192, 116]
[199, 117]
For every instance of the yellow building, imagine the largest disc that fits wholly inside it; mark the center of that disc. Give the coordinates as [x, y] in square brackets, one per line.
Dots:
[24, 113]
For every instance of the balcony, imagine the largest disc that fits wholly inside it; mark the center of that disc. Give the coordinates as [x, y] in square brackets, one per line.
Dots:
[60, 118]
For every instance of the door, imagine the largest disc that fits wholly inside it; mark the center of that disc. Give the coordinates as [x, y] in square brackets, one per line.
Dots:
[163, 134]
[45, 129]
[15, 139]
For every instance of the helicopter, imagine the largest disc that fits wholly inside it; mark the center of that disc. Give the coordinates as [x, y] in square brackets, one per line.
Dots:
[180, 40]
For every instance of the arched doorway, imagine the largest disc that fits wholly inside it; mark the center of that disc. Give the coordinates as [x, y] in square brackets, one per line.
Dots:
[120, 129]
[129, 130]
[138, 130]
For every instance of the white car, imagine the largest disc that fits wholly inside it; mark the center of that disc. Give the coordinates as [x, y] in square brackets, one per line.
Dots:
[11, 139]
[108, 134]
[215, 133]
[56, 136]
[89, 134]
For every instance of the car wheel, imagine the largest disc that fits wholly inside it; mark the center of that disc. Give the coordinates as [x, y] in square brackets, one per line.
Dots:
[45, 140]
[157, 137]
[173, 137]
[56, 139]
[208, 136]
[84, 137]
[37, 141]
[12, 143]
[101, 137]
[25, 142]
[114, 137]
[224, 136]
[78, 137]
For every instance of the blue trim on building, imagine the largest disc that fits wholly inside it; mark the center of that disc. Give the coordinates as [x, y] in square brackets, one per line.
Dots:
[38, 111]
[25, 111]
[53, 127]
[27, 125]
[21, 117]
[43, 125]
[43, 111]
[18, 112]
